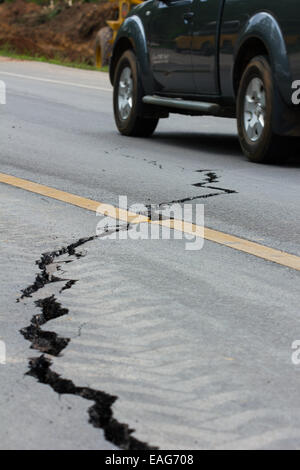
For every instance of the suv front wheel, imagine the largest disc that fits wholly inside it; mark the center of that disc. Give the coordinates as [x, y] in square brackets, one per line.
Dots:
[255, 108]
[129, 109]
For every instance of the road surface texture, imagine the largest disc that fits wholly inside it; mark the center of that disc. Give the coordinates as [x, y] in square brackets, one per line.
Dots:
[190, 349]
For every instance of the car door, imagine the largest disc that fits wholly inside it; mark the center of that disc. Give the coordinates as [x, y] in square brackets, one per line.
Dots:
[205, 45]
[170, 46]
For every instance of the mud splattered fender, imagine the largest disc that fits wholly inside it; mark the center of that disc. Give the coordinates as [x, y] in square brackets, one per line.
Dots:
[132, 35]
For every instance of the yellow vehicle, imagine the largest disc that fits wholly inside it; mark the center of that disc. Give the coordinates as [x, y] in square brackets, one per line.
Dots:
[107, 35]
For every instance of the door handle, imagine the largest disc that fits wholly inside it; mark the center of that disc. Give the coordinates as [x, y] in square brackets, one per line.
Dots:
[188, 16]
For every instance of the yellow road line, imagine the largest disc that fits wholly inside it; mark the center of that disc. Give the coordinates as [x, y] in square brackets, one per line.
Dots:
[236, 243]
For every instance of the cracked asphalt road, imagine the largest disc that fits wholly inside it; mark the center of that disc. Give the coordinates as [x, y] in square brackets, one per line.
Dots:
[196, 346]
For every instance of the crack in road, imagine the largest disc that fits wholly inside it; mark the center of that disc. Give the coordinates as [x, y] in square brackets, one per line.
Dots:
[50, 343]
[45, 277]
[46, 341]
[209, 178]
[100, 414]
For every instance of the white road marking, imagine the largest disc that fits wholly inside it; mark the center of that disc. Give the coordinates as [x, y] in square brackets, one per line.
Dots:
[57, 82]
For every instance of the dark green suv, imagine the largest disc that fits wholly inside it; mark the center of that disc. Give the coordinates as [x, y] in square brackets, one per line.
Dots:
[228, 58]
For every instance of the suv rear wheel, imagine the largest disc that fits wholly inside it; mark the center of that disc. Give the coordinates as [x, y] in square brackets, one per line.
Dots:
[255, 107]
[129, 110]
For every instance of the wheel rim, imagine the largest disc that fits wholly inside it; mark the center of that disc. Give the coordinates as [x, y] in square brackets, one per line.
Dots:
[125, 94]
[255, 109]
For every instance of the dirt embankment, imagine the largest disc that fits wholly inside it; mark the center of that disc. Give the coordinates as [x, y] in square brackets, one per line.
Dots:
[65, 32]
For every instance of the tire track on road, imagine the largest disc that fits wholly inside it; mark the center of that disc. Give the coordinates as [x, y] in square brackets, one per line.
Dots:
[167, 383]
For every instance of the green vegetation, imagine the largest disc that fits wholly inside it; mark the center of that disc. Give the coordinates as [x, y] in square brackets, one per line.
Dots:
[47, 2]
[8, 51]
